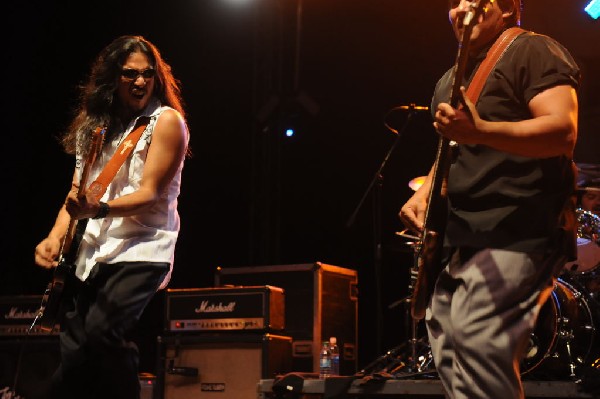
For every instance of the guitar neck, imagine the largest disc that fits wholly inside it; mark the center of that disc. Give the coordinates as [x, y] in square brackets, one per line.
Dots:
[74, 226]
[435, 212]
[68, 238]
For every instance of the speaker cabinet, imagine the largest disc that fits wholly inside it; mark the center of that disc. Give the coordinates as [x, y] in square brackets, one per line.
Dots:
[225, 365]
[320, 302]
[31, 362]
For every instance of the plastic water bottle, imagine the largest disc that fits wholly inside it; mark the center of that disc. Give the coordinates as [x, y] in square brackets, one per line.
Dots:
[324, 361]
[335, 356]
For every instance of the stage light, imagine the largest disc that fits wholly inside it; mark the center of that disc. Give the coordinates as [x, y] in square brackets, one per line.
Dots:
[289, 132]
[593, 8]
[237, 1]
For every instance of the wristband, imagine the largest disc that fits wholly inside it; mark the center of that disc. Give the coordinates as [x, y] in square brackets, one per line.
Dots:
[102, 211]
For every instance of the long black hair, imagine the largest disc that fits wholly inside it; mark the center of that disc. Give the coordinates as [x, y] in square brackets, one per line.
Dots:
[97, 96]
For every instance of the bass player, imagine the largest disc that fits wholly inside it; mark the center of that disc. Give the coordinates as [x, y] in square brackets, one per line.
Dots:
[510, 203]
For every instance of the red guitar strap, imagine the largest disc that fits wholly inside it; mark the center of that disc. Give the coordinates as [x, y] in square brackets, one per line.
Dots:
[99, 186]
[493, 55]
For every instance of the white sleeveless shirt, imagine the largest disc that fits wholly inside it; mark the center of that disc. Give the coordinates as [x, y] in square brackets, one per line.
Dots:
[147, 237]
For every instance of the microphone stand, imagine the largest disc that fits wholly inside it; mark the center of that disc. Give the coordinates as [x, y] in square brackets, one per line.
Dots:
[378, 179]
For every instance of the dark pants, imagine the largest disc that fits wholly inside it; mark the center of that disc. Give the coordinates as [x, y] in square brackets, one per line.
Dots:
[97, 359]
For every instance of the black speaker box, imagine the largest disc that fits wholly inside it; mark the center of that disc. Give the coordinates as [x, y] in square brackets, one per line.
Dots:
[320, 302]
[223, 365]
[31, 362]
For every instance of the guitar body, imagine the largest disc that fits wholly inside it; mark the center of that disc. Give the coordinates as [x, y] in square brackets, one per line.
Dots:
[55, 291]
[48, 313]
[52, 297]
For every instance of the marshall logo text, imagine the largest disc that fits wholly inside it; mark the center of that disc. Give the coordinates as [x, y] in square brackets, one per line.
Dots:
[205, 307]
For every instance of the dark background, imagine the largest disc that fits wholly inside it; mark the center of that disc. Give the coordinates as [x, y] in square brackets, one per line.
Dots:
[251, 196]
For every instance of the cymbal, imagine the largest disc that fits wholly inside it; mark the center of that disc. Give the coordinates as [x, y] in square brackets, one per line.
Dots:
[417, 182]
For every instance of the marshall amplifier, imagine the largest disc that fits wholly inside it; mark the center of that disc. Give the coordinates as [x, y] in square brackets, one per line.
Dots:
[27, 359]
[219, 365]
[236, 308]
[17, 313]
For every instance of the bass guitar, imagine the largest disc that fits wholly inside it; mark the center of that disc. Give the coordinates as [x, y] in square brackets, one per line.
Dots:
[428, 250]
[47, 314]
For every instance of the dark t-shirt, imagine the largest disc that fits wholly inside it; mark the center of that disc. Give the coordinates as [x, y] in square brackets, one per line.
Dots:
[497, 199]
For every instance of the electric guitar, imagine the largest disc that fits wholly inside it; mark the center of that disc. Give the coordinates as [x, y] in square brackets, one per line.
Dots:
[428, 251]
[47, 314]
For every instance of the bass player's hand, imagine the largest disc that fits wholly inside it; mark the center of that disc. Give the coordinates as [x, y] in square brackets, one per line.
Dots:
[461, 125]
[412, 213]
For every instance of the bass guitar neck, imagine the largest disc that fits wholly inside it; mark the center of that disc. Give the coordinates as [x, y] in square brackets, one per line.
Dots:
[428, 252]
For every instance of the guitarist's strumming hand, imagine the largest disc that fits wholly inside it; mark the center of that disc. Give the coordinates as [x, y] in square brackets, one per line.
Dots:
[462, 125]
[412, 214]
[46, 252]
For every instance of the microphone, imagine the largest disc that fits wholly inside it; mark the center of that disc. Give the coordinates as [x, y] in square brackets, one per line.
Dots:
[411, 108]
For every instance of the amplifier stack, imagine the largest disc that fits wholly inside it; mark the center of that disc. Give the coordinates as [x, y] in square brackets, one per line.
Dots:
[27, 359]
[219, 342]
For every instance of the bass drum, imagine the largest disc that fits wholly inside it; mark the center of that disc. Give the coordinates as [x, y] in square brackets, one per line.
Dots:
[564, 337]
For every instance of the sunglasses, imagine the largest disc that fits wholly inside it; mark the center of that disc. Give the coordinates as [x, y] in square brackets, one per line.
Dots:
[132, 74]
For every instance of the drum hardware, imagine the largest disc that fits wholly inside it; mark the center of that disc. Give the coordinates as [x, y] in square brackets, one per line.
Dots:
[412, 358]
[562, 346]
[588, 225]
[564, 340]
[409, 360]
[568, 336]
[585, 271]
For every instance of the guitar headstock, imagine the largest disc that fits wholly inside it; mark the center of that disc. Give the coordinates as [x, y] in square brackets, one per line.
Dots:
[97, 139]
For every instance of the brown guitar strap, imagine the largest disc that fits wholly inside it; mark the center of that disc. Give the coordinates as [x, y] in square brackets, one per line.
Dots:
[493, 55]
[99, 186]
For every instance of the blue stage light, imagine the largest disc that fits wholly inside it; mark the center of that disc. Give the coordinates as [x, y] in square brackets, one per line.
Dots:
[593, 9]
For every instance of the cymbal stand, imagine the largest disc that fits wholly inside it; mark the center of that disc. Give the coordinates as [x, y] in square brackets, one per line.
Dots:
[417, 362]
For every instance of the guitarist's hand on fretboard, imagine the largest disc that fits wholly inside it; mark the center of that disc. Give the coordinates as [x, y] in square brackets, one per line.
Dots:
[462, 125]
[81, 207]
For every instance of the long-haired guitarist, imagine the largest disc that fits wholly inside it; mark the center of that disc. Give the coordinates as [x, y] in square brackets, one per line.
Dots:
[126, 251]
[510, 204]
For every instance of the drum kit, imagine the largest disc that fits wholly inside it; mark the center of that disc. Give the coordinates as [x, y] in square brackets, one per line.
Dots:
[566, 338]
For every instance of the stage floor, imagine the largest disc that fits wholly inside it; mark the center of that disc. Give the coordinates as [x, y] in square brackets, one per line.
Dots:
[422, 389]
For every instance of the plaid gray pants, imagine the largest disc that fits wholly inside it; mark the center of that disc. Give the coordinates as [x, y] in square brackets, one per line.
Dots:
[480, 318]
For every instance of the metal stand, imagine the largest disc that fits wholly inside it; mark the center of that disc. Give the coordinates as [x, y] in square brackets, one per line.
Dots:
[378, 182]
[411, 359]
